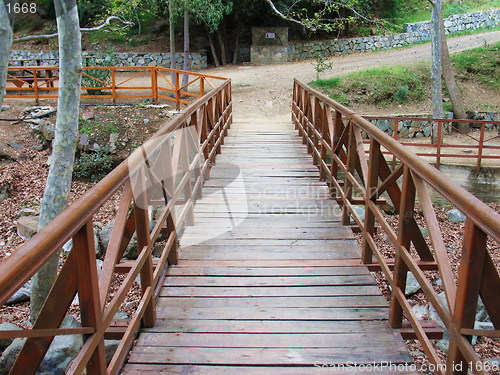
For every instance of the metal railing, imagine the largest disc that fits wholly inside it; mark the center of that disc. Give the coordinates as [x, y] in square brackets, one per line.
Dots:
[479, 146]
[131, 82]
[335, 137]
[181, 184]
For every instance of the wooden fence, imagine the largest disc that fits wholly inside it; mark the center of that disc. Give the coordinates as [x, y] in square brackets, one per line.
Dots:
[210, 116]
[132, 82]
[335, 137]
[484, 145]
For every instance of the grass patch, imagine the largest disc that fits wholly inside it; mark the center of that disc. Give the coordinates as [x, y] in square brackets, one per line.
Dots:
[480, 64]
[381, 86]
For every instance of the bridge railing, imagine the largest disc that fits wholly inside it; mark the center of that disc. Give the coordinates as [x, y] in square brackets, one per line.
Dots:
[481, 145]
[335, 137]
[131, 82]
[168, 170]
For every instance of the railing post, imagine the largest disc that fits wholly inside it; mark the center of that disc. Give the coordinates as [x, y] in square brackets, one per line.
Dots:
[469, 283]
[154, 84]
[351, 164]
[35, 86]
[439, 143]
[178, 90]
[480, 150]
[113, 84]
[406, 212]
[373, 172]
[143, 239]
[202, 86]
[88, 294]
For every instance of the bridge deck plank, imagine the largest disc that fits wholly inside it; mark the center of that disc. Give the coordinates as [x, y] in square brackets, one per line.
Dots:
[276, 286]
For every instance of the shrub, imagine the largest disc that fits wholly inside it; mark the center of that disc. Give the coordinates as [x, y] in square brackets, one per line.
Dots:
[94, 165]
[402, 94]
[98, 77]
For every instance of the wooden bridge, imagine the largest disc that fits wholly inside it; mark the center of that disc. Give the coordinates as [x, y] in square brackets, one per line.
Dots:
[263, 274]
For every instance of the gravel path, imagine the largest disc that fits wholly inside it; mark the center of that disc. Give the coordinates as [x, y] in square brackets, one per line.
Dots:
[265, 90]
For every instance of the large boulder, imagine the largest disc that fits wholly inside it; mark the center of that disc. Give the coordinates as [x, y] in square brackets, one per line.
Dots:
[22, 295]
[105, 235]
[6, 326]
[455, 216]
[27, 226]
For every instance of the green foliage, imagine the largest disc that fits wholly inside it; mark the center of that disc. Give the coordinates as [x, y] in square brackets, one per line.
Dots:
[94, 165]
[321, 65]
[98, 77]
[141, 12]
[206, 12]
[377, 86]
[481, 64]
[96, 129]
[402, 93]
[90, 10]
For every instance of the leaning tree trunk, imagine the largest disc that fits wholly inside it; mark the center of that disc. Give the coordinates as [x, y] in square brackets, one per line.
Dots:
[213, 49]
[236, 42]
[58, 184]
[451, 85]
[6, 26]
[436, 70]
[185, 63]
[223, 52]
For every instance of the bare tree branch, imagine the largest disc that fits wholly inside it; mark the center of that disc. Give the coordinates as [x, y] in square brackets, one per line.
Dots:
[86, 29]
[285, 17]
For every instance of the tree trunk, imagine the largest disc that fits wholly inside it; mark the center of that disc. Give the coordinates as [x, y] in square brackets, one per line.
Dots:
[6, 26]
[449, 78]
[237, 42]
[185, 65]
[58, 184]
[223, 52]
[436, 72]
[213, 49]
[171, 22]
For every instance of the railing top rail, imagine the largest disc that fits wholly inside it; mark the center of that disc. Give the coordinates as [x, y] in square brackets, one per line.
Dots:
[18, 268]
[429, 119]
[482, 215]
[55, 67]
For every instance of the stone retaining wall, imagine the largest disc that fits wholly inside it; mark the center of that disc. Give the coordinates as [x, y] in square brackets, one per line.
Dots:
[416, 32]
[460, 22]
[196, 61]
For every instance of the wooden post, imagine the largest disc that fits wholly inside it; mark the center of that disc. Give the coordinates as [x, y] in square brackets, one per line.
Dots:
[469, 283]
[480, 150]
[88, 294]
[351, 164]
[143, 239]
[113, 84]
[154, 84]
[439, 143]
[35, 86]
[177, 90]
[406, 212]
[373, 172]
[202, 86]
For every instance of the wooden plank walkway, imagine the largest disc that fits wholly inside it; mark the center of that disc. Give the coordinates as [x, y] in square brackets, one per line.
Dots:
[267, 282]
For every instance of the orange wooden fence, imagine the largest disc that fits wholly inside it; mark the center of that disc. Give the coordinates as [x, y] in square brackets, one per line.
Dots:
[335, 137]
[131, 82]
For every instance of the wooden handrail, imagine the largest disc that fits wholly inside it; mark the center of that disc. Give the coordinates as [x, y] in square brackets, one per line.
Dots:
[336, 137]
[211, 116]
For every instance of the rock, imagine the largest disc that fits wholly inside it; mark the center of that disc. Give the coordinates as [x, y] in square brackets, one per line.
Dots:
[105, 234]
[22, 295]
[111, 346]
[87, 115]
[27, 226]
[28, 212]
[7, 327]
[7, 152]
[455, 216]
[47, 130]
[121, 315]
[146, 121]
[9, 355]
[5, 108]
[360, 211]
[424, 231]
[421, 312]
[481, 313]
[14, 145]
[63, 350]
[412, 285]
[4, 192]
[482, 325]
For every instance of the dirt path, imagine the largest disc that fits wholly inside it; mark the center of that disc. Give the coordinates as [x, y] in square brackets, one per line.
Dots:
[265, 90]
